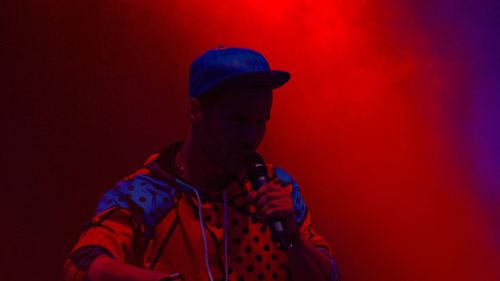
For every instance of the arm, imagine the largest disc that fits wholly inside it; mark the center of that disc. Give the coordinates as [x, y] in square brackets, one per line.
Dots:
[113, 243]
[309, 258]
[105, 251]
[307, 262]
[104, 268]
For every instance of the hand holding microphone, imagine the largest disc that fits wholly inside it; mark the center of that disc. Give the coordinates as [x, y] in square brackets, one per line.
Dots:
[274, 203]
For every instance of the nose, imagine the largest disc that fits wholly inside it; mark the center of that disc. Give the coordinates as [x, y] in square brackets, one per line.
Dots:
[251, 136]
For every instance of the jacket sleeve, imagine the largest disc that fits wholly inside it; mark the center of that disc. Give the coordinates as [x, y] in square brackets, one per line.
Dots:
[111, 233]
[307, 232]
[125, 221]
[303, 220]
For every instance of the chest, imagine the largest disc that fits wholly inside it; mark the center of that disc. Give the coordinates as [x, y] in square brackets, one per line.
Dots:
[178, 245]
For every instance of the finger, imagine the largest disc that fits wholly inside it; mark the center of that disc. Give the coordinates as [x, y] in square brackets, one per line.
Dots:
[281, 183]
[252, 196]
[268, 187]
[273, 195]
[278, 203]
[285, 184]
[277, 213]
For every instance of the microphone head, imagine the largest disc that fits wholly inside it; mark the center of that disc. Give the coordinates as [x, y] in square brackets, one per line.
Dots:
[256, 169]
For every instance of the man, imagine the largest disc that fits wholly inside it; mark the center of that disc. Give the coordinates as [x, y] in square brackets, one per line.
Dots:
[191, 212]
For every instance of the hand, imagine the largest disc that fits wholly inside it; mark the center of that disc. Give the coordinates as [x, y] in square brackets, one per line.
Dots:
[274, 200]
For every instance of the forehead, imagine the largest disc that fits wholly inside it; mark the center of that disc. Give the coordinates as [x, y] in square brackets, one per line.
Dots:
[245, 100]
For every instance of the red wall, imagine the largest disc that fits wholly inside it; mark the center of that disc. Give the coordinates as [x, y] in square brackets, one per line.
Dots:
[372, 124]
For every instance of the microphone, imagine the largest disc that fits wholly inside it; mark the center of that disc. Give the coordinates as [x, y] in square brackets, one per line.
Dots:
[257, 173]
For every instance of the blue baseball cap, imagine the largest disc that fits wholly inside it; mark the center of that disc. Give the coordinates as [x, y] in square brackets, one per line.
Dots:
[241, 67]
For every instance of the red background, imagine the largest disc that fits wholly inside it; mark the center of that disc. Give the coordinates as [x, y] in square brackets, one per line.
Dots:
[382, 123]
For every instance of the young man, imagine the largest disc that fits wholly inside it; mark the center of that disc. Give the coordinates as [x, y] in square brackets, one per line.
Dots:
[191, 213]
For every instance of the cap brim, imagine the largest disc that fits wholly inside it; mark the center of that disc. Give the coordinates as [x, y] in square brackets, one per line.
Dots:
[266, 79]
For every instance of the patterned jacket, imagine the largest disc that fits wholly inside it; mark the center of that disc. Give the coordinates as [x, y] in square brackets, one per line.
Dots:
[150, 220]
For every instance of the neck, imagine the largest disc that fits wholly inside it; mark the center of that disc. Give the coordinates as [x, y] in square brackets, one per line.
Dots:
[194, 165]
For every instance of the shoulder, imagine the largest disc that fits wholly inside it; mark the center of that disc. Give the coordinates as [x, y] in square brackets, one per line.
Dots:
[283, 175]
[147, 198]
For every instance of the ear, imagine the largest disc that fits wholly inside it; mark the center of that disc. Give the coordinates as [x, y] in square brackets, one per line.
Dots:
[194, 110]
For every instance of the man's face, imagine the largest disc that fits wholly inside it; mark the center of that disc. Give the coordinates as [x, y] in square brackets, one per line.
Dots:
[234, 125]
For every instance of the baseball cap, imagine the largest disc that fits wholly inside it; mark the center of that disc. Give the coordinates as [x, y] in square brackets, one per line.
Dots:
[224, 66]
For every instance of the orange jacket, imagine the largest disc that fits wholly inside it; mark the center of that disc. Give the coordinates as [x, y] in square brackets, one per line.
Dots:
[151, 221]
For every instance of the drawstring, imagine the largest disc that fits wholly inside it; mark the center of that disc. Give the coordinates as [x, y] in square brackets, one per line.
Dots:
[204, 236]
